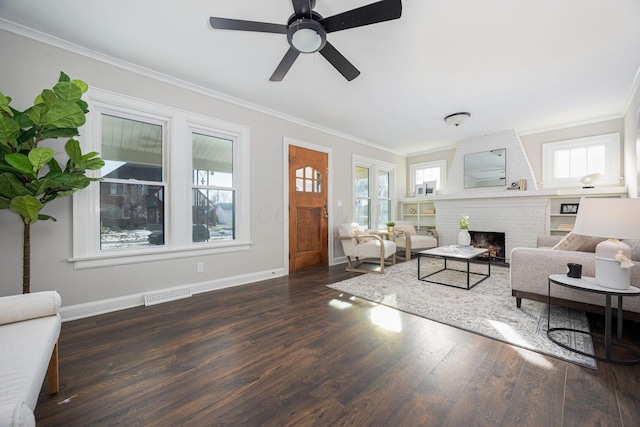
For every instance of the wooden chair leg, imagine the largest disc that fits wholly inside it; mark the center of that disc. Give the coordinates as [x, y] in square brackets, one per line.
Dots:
[52, 371]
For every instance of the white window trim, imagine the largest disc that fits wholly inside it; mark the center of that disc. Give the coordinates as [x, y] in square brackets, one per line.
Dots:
[612, 166]
[374, 167]
[442, 164]
[86, 203]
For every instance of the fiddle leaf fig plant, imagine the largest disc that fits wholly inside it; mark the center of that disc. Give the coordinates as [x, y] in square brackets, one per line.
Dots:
[30, 175]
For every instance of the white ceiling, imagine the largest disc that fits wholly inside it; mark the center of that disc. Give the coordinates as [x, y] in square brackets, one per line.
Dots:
[513, 64]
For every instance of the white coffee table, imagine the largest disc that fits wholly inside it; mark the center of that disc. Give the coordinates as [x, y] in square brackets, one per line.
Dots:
[588, 284]
[458, 253]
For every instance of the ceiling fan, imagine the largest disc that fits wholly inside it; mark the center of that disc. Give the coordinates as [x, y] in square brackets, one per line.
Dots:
[307, 31]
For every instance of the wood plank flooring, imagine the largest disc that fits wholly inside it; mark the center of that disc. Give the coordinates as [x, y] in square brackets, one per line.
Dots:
[291, 352]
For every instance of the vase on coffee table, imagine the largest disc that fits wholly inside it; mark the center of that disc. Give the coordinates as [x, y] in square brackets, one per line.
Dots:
[464, 238]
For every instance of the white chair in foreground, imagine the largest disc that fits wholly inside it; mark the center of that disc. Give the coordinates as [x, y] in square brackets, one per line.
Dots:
[408, 240]
[366, 253]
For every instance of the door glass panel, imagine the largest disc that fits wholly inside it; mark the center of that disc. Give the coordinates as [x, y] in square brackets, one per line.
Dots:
[308, 180]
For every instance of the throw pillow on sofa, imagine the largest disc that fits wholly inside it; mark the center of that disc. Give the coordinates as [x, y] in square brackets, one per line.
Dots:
[578, 242]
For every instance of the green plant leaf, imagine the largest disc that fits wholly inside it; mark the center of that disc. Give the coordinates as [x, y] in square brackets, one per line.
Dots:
[72, 147]
[49, 98]
[83, 106]
[4, 104]
[82, 85]
[22, 119]
[9, 129]
[42, 217]
[40, 186]
[35, 113]
[26, 206]
[54, 167]
[64, 114]
[11, 186]
[40, 156]
[64, 77]
[4, 204]
[67, 91]
[21, 163]
[59, 133]
[27, 136]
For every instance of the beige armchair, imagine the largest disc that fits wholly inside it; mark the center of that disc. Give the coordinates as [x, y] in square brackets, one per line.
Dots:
[366, 253]
[408, 240]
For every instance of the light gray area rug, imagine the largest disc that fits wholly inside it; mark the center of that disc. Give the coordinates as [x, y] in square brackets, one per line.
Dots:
[487, 309]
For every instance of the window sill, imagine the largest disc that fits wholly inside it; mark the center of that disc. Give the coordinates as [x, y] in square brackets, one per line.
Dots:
[150, 255]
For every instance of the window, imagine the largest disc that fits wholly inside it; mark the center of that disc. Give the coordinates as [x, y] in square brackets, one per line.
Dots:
[213, 192]
[565, 162]
[429, 171]
[172, 184]
[373, 192]
[132, 186]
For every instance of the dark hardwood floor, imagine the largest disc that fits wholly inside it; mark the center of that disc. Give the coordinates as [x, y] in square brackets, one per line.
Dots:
[289, 351]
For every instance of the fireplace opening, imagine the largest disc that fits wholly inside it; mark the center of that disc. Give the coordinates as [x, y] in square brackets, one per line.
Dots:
[493, 241]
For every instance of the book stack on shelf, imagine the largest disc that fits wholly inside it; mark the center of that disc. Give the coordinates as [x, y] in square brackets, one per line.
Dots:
[567, 227]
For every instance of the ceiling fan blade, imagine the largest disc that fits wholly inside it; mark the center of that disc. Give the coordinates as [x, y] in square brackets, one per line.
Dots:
[237, 24]
[284, 66]
[303, 7]
[341, 63]
[381, 11]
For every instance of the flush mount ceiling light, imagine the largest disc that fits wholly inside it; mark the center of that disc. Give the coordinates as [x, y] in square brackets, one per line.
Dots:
[456, 119]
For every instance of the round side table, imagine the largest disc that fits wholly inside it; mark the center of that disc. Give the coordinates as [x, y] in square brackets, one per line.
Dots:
[588, 284]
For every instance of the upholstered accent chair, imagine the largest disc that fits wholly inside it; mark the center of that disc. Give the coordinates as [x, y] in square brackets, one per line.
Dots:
[366, 253]
[408, 240]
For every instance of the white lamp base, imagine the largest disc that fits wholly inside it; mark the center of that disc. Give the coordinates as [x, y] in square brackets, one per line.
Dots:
[608, 271]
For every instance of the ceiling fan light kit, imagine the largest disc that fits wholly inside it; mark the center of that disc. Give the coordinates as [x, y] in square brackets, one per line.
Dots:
[306, 35]
[307, 30]
[456, 119]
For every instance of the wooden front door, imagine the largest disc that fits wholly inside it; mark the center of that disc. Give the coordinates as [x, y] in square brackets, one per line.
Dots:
[308, 215]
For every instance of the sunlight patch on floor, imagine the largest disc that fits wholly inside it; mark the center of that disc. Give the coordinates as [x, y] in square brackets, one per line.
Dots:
[387, 318]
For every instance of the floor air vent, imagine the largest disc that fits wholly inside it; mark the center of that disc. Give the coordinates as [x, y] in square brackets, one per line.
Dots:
[153, 298]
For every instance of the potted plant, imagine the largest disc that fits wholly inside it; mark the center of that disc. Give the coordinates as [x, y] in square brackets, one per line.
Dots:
[30, 175]
[390, 225]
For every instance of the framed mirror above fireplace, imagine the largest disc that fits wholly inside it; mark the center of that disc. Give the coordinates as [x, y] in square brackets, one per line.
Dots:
[485, 169]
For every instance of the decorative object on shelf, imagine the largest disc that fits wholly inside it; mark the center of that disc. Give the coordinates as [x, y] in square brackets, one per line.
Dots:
[588, 180]
[421, 190]
[413, 211]
[569, 208]
[430, 189]
[464, 238]
[390, 225]
[523, 184]
[514, 186]
[612, 219]
[456, 119]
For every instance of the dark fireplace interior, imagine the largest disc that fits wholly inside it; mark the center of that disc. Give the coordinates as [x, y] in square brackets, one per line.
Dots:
[492, 240]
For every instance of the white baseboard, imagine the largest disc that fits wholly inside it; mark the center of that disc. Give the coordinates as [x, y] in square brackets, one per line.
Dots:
[94, 308]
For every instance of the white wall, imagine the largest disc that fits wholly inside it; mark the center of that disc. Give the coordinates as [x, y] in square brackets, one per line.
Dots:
[632, 142]
[30, 66]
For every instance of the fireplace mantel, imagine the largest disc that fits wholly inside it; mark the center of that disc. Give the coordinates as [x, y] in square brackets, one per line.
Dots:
[569, 192]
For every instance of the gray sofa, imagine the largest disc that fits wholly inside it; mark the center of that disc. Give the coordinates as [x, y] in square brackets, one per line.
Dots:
[531, 267]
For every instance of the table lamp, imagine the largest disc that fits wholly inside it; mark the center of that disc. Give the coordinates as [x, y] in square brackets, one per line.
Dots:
[613, 219]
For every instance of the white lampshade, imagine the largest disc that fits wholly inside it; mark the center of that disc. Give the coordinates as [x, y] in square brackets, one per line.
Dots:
[610, 218]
